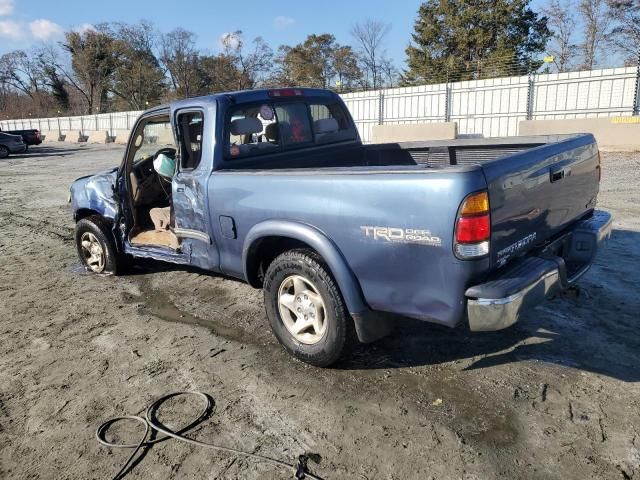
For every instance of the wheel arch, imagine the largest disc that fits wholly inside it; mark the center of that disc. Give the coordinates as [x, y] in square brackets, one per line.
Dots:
[88, 212]
[272, 237]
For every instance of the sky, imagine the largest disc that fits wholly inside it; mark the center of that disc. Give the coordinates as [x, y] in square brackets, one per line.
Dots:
[25, 23]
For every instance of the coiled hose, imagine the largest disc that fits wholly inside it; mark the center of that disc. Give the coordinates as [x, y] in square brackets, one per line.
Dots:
[151, 424]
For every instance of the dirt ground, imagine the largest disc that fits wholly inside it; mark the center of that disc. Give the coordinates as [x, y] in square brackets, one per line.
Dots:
[555, 397]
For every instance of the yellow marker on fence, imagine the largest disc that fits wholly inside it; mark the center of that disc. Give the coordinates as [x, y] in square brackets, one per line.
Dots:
[625, 119]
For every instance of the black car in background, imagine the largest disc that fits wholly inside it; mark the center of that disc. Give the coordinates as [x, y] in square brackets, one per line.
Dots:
[11, 144]
[30, 137]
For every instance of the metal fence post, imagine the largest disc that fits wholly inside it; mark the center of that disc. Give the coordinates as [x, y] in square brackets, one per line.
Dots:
[636, 95]
[110, 124]
[128, 121]
[530, 87]
[447, 102]
[380, 107]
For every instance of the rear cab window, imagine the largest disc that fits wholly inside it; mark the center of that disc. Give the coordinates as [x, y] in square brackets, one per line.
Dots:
[279, 126]
[190, 129]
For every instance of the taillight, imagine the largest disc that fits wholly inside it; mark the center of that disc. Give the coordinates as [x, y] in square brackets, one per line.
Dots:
[286, 92]
[473, 227]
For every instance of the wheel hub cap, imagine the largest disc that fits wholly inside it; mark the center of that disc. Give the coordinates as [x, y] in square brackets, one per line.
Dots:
[302, 309]
[92, 252]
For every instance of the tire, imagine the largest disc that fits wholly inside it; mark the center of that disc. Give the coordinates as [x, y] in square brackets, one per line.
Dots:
[96, 248]
[4, 151]
[301, 279]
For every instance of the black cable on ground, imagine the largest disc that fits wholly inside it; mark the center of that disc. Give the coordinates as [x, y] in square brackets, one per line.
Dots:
[152, 425]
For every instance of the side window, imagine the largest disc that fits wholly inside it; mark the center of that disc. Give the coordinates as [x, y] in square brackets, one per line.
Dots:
[190, 127]
[151, 136]
[253, 130]
[330, 123]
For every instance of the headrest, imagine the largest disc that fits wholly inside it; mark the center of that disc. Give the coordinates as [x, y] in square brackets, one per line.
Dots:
[272, 132]
[246, 126]
[326, 125]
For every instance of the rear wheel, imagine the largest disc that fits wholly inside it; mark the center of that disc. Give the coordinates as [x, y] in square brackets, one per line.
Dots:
[305, 308]
[4, 151]
[96, 249]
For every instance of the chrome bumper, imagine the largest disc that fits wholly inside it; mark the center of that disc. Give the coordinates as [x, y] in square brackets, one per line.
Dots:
[547, 277]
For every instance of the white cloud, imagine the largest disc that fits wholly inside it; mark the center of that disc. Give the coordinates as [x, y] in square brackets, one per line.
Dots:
[281, 22]
[85, 27]
[6, 7]
[43, 29]
[11, 30]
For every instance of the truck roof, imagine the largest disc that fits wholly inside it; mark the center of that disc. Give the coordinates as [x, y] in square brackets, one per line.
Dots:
[245, 96]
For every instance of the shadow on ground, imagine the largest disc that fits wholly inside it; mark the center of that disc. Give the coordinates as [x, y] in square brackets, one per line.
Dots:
[46, 151]
[595, 332]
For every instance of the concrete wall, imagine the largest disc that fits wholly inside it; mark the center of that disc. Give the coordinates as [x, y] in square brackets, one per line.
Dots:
[413, 132]
[121, 136]
[612, 133]
[98, 136]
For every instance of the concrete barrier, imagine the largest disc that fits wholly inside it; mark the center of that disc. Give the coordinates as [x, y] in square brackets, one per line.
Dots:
[51, 136]
[121, 137]
[611, 133]
[414, 132]
[165, 137]
[97, 136]
[72, 137]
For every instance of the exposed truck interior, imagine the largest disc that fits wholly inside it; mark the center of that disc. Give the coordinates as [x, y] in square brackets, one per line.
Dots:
[153, 146]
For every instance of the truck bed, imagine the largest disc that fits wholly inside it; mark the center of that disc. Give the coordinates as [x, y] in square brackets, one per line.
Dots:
[344, 191]
[448, 153]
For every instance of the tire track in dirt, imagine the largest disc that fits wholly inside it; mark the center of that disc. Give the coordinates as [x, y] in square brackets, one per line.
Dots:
[37, 225]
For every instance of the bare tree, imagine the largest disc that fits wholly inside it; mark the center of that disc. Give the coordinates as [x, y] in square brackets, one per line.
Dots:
[21, 71]
[370, 36]
[626, 29]
[93, 61]
[562, 23]
[596, 22]
[388, 73]
[253, 66]
[138, 78]
[181, 60]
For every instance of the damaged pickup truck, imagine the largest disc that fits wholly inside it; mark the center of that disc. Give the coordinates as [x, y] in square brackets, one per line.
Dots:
[275, 188]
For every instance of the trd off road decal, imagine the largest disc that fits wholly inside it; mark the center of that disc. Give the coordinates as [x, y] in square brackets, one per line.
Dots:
[402, 235]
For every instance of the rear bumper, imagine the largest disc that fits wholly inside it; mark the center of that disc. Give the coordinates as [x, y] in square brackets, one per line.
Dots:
[499, 302]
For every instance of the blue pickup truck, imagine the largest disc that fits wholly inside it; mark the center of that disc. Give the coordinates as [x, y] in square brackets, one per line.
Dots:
[275, 188]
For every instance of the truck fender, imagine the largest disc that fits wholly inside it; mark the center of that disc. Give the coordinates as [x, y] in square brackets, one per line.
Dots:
[349, 286]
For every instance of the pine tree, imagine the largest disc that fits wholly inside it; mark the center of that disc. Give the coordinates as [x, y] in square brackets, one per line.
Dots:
[466, 39]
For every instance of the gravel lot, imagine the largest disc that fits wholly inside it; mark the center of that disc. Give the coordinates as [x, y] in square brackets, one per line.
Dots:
[554, 397]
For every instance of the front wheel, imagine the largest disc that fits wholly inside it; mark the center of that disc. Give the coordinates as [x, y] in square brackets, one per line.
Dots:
[96, 249]
[4, 151]
[305, 308]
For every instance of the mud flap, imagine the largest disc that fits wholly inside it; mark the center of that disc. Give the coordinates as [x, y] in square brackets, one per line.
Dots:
[372, 326]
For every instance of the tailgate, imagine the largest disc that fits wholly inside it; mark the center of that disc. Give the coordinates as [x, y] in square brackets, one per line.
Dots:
[537, 193]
